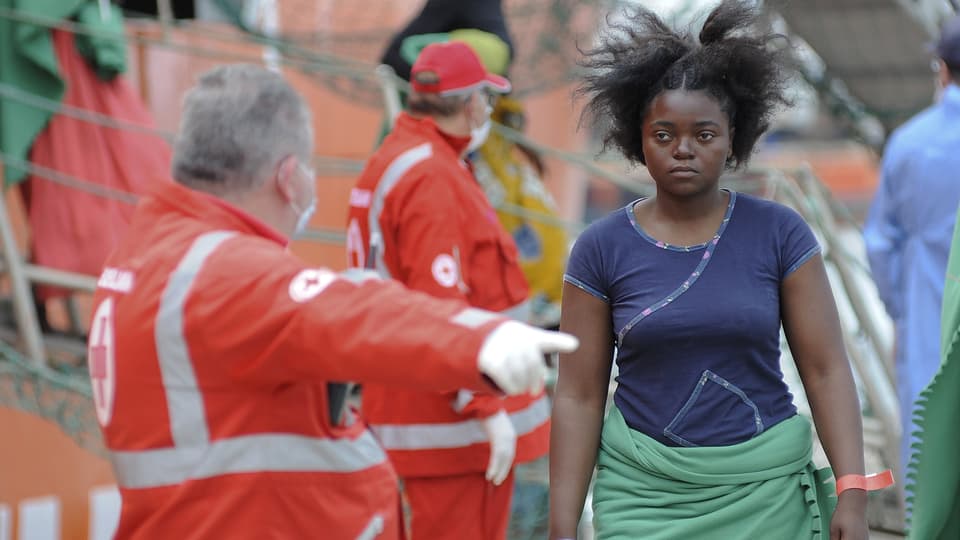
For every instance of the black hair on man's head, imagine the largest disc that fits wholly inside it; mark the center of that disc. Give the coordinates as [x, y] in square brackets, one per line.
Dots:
[641, 57]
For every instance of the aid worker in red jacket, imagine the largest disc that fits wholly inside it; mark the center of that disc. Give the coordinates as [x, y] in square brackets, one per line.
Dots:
[212, 346]
[418, 215]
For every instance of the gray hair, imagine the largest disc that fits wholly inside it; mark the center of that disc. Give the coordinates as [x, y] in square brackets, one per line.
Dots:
[238, 122]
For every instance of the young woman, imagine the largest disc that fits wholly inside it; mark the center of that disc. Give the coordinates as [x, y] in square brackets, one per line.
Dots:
[688, 290]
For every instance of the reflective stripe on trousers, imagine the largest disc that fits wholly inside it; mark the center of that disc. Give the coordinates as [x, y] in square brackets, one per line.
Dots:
[457, 434]
[194, 455]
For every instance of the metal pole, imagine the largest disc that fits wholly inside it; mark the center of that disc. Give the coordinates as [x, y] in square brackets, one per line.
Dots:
[23, 305]
[165, 13]
[869, 325]
[60, 278]
[878, 385]
[391, 94]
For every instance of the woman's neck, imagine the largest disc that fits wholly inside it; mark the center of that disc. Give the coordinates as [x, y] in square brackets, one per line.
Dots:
[690, 208]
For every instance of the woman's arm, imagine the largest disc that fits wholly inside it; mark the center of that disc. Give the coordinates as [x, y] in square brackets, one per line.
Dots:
[578, 407]
[812, 327]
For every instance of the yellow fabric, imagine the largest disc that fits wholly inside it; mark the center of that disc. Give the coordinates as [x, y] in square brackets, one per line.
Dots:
[507, 178]
[494, 53]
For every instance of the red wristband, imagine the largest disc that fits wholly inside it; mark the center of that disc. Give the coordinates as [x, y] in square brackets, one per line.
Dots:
[870, 482]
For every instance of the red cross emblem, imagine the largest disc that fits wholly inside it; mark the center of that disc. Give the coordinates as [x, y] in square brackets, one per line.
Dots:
[100, 361]
[445, 270]
[309, 283]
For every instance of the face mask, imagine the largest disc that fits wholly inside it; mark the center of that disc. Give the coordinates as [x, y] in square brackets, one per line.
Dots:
[304, 216]
[479, 134]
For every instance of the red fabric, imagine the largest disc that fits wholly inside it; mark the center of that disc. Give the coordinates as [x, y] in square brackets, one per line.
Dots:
[71, 229]
[261, 359]
[438, 213]
[481, 510]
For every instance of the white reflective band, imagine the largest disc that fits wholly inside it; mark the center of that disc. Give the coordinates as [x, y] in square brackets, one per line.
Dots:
[473, 317]
[193, 455]
[464, 397]
[373, 529]
[188, 422]
[359, 275]
[246, 454]
[457, 434]
[393, 174]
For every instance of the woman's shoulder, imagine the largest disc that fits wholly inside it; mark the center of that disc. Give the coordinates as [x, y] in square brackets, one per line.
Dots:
[765, 210]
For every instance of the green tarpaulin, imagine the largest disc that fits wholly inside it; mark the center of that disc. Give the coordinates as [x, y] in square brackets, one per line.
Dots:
[28, 62]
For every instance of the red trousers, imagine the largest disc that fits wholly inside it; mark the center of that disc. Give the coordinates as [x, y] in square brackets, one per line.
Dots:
[463, 507]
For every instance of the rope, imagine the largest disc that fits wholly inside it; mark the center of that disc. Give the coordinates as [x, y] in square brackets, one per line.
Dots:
[324, 235]
[70, 181]
[311, 66]
[583, 161]
[15, 94]
[328, 165]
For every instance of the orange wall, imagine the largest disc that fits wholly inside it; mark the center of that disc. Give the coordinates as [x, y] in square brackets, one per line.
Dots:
[37, 460]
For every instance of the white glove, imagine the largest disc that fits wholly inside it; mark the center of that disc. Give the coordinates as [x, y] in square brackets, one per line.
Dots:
[503, 446]
[513, 356]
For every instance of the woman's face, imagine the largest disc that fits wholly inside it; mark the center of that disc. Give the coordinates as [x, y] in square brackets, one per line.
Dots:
[686, 141]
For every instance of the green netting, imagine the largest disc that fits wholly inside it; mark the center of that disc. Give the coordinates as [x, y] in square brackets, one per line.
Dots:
[63, 397]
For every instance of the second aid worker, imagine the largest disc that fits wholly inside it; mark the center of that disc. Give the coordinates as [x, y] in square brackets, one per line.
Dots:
[418, 215]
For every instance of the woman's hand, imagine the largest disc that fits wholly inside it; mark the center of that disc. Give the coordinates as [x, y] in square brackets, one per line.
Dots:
[849, 520]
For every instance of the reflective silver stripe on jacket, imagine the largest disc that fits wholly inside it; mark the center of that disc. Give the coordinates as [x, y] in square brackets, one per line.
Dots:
[393, 174]
[246, 454]
[457, 434]
[475, 318]
[193, 455]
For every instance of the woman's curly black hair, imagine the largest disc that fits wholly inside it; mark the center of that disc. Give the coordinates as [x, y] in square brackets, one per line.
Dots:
[640, 58]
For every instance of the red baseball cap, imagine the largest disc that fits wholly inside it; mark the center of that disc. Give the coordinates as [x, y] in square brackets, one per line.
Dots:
[452, 67]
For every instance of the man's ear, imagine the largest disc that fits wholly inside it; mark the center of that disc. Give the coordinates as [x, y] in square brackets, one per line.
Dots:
[283, 178]
[946, 76]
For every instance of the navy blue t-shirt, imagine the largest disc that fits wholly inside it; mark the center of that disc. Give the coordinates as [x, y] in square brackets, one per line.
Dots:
[697, 328]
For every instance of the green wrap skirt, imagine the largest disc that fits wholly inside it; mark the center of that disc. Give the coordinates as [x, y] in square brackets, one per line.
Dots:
[764, 488]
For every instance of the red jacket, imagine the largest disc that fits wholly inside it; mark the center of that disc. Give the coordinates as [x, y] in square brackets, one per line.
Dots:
[418, 215]
[209, 351]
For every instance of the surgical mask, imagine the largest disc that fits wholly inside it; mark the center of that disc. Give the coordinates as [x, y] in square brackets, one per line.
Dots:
[479, 134]
[304, 216]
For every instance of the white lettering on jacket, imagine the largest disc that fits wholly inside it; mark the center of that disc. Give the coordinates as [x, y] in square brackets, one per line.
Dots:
[116, 279]
[360, 198]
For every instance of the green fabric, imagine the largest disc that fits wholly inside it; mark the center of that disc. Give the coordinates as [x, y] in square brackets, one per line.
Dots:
[105, 49]
[411, 46]
[935, 468]
[28, 61]
[766, 487]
